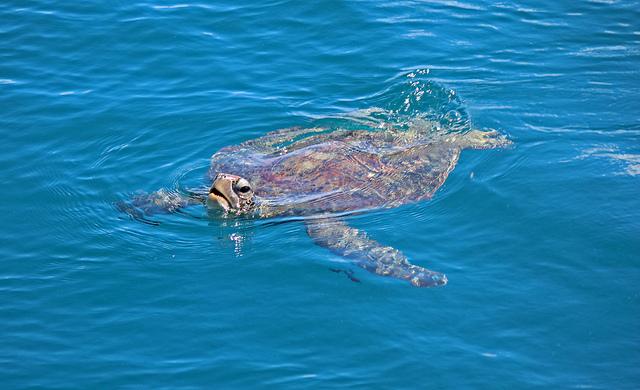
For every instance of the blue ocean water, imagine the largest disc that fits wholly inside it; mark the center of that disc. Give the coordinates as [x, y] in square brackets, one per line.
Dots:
[540, 242]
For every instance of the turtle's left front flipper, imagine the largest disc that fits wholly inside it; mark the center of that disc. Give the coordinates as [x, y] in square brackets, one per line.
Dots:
[339, 237]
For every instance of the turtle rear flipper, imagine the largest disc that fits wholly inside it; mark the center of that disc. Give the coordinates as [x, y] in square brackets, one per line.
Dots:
[339, 237]
[477, 139]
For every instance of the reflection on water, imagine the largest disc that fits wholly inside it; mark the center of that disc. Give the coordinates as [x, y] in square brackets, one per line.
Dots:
[233, 235]
[630, 163]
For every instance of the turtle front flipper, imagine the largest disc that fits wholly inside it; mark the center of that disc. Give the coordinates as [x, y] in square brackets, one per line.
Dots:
[351, 243]
[159, 202]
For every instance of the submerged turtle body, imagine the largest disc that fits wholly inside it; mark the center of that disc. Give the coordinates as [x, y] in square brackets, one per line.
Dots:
[320, 174]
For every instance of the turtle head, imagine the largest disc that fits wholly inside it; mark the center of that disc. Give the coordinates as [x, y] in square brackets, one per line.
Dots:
[232, 193]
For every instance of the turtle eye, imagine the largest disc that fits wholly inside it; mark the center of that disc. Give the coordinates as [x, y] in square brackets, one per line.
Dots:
[243, 186]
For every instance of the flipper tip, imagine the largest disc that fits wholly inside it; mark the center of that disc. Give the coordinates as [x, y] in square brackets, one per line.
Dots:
[429, 279]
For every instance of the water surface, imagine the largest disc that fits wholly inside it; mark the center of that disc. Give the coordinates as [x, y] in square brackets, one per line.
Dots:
[540, 242]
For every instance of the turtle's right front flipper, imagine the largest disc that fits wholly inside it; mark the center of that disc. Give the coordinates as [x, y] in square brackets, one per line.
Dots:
[336, 235]
[159, 202]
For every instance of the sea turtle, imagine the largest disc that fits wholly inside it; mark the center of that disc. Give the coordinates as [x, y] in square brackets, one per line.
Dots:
[322, 173]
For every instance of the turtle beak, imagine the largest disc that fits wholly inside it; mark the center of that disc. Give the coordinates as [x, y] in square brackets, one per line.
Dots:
[222, 191]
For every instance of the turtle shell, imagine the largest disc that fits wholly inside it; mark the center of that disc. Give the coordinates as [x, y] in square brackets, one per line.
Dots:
[308, 171]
